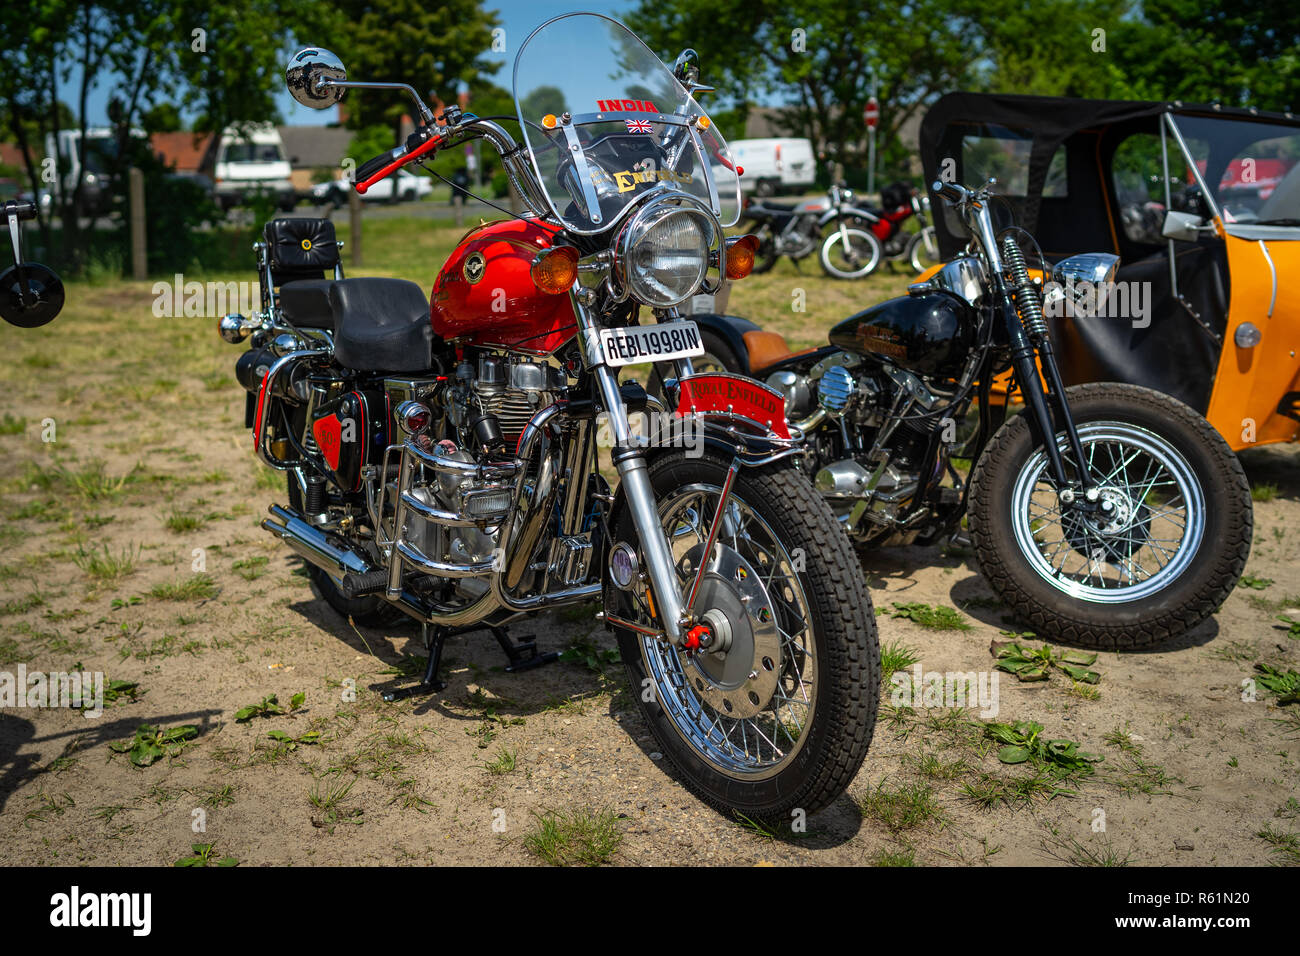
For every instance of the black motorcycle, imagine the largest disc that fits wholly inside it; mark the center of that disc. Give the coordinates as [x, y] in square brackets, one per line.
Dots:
[798, 230]
[1130, 526]
[31, 294]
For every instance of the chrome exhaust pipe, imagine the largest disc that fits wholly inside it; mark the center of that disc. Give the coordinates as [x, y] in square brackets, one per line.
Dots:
[313, 545]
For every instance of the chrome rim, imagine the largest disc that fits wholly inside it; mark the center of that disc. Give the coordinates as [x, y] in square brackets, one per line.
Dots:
[750, 747]
[1146, 538]
[925, 250]
[852, 255]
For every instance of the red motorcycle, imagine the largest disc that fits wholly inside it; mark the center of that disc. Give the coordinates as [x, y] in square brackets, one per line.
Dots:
[899, 202]
[441, 451]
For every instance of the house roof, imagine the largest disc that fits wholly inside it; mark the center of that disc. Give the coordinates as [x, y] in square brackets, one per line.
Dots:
[182, 150]
[309, 147]
[11, 155]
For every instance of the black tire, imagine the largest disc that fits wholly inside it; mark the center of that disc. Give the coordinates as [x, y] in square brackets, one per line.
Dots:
[923, 250]
[367, 611]
[836, 736]
[1196, 592]
[765, 256]
[866, 250]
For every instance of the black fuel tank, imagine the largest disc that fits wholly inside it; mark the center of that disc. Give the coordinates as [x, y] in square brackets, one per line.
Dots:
[929, 334]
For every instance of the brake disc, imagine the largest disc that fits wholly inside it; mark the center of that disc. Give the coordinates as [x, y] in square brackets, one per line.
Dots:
[1112, 536]
[738, 681]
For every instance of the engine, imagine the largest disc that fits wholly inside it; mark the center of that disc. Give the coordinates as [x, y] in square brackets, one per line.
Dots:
[867, 447]
[484, 410]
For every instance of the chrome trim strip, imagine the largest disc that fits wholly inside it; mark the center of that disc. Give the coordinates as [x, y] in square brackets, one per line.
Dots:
[1273, 271]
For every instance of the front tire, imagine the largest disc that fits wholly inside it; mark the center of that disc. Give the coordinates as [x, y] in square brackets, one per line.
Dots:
[855, 254]
[802, 746]
[923, 250]
[1162, 558]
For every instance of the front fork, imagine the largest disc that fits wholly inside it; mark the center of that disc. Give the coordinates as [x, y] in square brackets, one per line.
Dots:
[629, 459]
[1046, 402]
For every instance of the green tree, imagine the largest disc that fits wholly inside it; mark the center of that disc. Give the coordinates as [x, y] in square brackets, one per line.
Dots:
[432, 46]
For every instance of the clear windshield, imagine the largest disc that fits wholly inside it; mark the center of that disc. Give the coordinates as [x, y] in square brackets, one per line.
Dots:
[631, 125]
[1252, 169]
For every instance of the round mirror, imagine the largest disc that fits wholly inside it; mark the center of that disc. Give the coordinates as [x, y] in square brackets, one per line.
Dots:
[43, 299]
[306, 73]
[687, 67]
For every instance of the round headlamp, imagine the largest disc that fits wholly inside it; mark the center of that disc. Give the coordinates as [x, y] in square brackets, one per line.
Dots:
[664, 253]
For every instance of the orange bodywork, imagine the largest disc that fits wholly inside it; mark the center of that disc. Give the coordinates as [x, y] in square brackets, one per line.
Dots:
[1250, 382]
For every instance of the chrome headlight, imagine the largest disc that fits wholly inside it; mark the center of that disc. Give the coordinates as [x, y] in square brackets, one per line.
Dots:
[663, 254]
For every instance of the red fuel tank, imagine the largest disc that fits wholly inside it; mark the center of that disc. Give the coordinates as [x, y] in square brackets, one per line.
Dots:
[485, 294]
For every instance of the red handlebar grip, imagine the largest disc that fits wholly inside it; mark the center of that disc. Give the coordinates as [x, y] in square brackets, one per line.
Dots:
[428, 146]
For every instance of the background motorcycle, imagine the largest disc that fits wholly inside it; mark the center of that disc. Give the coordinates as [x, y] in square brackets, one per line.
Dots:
[797, 230]
[447, 469]
[899, 202]
[1130, 526]
[31, 295]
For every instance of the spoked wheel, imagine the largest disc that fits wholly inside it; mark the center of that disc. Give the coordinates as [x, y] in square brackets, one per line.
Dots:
[765, 256]
[1159, 549]
[782, 717]
[850, 253]
[923, 250]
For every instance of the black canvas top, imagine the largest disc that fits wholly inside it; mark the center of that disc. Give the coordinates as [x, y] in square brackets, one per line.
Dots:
[1075, 217]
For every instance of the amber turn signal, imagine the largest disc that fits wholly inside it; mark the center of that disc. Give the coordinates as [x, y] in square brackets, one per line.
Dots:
[555, 270]
[740, 256]
[548, 121]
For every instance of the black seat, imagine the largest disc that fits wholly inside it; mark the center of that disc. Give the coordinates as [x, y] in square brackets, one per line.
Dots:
[306, 303]
[381, 325]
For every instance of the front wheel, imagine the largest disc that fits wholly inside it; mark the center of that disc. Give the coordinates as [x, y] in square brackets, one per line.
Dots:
[782, 720]
[1157, 553]
[850, 253]
[923, 250]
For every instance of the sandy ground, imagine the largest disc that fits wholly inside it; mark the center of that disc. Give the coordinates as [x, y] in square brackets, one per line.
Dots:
[157, 474]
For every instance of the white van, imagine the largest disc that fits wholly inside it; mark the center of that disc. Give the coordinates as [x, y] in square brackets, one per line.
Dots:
[93, 159]
[251, 159]
[771, 165]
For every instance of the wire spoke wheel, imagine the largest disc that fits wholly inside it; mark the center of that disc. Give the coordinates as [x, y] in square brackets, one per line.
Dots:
[850, 253]
[1140, 535]
[752, 728]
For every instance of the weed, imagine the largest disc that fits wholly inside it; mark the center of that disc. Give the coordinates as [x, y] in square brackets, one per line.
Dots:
[935, 617]
[151, 743]
[203, 854]
[578, 838]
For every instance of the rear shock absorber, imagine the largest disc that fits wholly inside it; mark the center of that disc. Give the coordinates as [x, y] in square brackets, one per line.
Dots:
[1029, 302]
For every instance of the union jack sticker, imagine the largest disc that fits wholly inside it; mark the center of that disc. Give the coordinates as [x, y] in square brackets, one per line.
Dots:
[639, 126]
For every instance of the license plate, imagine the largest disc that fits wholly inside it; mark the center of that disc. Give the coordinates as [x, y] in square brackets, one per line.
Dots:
[651, 343]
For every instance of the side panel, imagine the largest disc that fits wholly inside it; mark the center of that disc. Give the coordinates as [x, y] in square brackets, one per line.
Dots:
[1251, 382]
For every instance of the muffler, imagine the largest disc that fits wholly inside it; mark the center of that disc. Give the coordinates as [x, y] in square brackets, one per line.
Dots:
[350, 571]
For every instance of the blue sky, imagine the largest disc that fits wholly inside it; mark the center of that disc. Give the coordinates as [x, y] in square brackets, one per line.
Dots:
[518, 17]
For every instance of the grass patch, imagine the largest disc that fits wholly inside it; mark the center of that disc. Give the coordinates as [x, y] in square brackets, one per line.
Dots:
[197, 587]
[504, 762]
[906, 807]
[180, 522]
[1264, 491]
[581, 837]
[105, 567]
[896, 656]
[934, 617]
[1286, 846]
